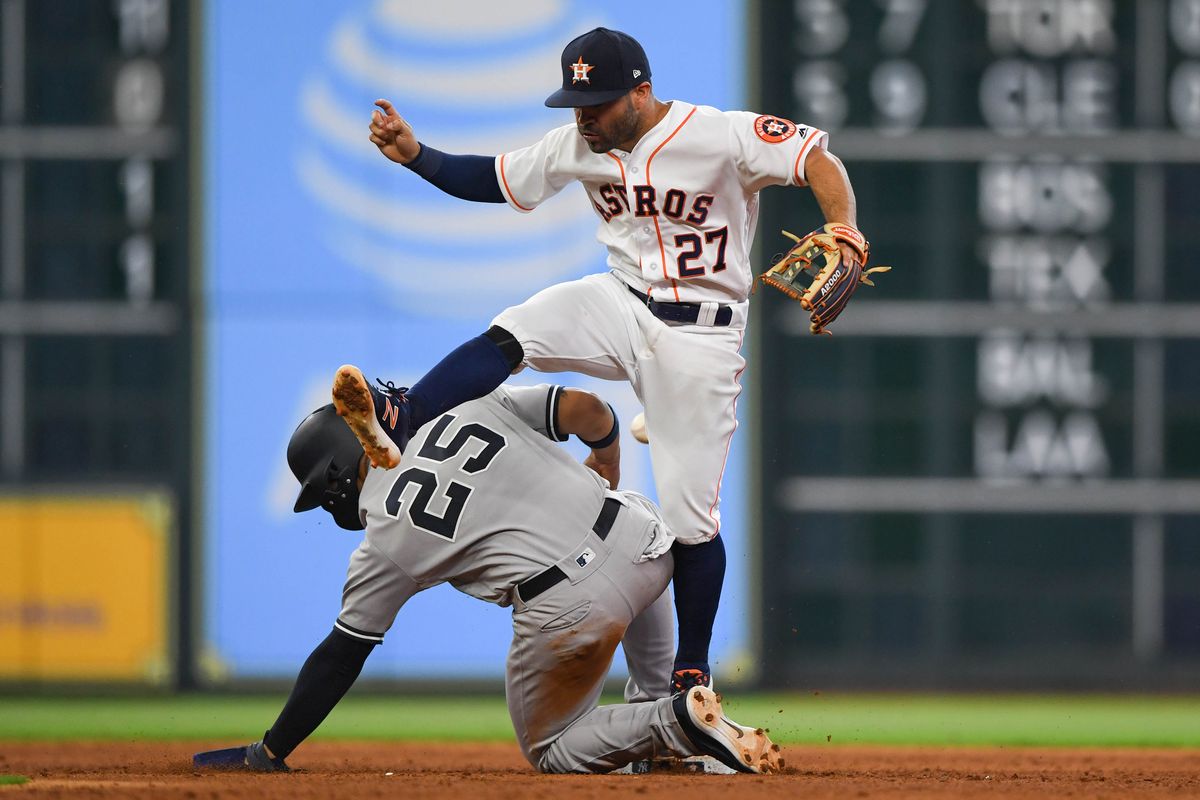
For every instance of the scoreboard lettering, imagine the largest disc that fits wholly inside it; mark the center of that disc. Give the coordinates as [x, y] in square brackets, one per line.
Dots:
[1030, 169]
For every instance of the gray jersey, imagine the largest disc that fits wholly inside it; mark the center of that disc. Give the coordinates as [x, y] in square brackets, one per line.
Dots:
[483, 498]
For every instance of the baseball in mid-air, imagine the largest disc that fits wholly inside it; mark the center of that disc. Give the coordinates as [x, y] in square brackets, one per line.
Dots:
[637, 427]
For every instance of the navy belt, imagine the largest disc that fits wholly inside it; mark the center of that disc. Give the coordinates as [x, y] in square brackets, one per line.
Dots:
[553, 575]
[682, 312]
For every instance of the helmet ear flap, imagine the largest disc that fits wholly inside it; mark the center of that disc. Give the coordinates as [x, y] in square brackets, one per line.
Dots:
[341, 496]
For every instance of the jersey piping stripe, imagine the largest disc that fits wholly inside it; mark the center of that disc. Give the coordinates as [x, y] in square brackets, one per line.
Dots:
[508, 191]
[628, 204]
[552, 398]
[662, 250]
[357, 634]
[800, 158]
[717, 497]
[621, 167]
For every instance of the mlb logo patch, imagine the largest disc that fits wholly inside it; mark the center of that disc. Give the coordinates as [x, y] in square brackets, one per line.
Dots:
[585, 557]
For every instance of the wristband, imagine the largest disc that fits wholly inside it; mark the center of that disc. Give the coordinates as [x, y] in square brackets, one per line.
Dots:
[610, 438]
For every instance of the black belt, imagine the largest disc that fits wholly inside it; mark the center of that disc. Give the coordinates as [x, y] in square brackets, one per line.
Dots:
[682, 312]
[554, 574]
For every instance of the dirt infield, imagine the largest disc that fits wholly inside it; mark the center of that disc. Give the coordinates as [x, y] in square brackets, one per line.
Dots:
[358, 770]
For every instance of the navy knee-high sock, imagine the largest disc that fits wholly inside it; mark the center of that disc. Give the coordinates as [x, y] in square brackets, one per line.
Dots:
[473, 369]
[699, 573]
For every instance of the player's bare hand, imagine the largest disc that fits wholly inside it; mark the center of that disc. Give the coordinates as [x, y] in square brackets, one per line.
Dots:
[606, 463]
[392, 135]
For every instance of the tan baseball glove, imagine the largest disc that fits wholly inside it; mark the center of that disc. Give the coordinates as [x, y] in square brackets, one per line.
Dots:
[820, 274]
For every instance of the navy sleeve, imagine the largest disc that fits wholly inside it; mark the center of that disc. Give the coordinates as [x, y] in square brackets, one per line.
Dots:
[326, 676]
[467, 177]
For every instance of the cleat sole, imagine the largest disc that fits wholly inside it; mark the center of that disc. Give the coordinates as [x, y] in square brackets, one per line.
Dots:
[751, 747]
[352, 400]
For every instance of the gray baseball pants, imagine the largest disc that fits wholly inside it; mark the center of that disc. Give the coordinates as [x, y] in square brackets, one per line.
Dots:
[563, 644]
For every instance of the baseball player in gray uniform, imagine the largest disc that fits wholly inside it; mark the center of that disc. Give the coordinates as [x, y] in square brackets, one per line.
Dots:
[484, 499]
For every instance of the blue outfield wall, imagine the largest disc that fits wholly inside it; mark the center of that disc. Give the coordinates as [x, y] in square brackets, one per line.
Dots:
[319, 252]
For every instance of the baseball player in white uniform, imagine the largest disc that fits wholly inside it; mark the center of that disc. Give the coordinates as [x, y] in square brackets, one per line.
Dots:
[676, 189]
[466, 505]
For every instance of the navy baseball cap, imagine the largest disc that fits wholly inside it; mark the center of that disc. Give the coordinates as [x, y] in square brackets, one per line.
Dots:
[599, 66]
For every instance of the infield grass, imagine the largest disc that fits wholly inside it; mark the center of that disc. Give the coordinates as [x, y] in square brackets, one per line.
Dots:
[1013, 720]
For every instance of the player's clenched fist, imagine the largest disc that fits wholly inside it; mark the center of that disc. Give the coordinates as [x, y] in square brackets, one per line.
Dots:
[392, 135]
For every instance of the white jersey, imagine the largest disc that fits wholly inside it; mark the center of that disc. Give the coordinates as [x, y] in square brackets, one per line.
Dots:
[678, 212]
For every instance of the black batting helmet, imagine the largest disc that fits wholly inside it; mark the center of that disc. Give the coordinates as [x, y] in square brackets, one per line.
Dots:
[324, 456]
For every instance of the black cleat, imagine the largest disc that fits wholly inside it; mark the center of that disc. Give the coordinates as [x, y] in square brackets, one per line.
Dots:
[251, 758]
[736, 746]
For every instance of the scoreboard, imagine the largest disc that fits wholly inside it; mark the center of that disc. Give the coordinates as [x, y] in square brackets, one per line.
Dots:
[990, 473]
[94, 232]
[95, 282]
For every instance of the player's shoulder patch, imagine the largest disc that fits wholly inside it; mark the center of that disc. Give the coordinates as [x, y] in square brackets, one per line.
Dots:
[774, 130]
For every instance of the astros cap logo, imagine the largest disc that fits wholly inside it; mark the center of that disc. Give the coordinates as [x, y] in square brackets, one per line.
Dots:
[774, 129]
[616, 59]
[581, 71]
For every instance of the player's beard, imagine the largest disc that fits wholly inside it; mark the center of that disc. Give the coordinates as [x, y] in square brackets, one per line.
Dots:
[622, 131]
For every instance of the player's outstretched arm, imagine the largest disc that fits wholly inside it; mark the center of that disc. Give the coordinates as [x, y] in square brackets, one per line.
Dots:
[595, 423]
[326, 676]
